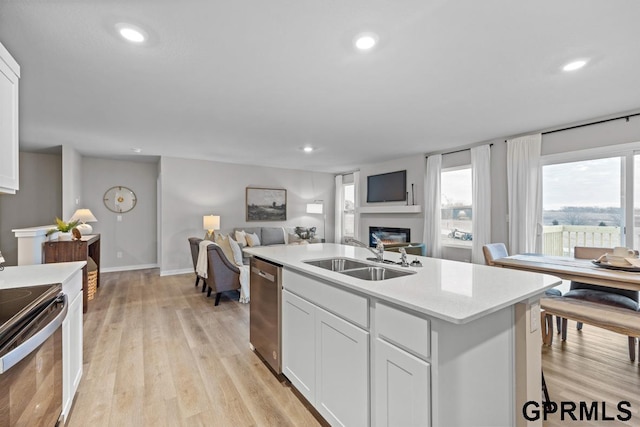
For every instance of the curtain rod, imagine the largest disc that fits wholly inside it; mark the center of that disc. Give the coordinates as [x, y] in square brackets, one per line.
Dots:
[346, 173]
[593, 123]
[458, 151]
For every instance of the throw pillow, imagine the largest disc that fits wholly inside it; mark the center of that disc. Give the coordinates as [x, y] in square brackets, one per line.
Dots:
[272, 236]
[241, 238]
[237, 252]
[223, 242]
[253, 240]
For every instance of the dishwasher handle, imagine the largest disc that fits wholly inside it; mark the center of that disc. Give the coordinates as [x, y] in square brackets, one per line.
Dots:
[269, 277]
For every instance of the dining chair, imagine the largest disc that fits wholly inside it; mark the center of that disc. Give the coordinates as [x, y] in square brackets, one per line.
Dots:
[623, 298]
[493, 251]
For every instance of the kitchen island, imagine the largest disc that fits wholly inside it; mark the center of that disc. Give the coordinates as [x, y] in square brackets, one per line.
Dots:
[69, 274]
[451, 344]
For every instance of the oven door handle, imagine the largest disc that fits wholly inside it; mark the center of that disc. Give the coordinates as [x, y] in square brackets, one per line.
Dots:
[23, 350]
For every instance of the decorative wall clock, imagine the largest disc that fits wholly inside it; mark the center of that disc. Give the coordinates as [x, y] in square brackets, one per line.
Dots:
[119, 199]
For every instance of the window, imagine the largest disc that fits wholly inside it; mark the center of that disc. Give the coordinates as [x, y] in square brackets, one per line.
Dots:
[456, 206]
[583, 204]
[348, 212]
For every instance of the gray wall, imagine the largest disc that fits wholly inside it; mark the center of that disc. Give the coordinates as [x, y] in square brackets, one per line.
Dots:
[71, 181]
[415, 167]
[193, 188]
[135, 236]
[38, 201]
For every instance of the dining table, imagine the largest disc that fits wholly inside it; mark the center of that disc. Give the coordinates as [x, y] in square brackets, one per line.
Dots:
[579, 270]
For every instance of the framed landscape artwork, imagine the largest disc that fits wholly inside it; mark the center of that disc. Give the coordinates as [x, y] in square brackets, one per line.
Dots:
[266, 204]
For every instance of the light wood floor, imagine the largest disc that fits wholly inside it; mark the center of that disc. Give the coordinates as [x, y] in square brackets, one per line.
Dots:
[592, 365]
[158, 353]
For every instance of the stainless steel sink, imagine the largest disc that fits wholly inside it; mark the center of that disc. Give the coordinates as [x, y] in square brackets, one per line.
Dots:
[358, 269]
[338, 264]
[376, 273]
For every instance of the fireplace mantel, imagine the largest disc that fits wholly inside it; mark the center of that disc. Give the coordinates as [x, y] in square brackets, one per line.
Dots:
[402, 209]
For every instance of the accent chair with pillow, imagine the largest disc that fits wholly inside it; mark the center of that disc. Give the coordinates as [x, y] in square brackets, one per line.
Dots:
[194, 245]
[222, 274]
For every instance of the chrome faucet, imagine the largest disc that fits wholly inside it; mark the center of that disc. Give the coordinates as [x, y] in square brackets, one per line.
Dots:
[403, 258]
[379, 250]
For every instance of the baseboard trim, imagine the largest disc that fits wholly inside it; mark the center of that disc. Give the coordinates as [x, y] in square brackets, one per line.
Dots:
[176, 272]
[127, 268]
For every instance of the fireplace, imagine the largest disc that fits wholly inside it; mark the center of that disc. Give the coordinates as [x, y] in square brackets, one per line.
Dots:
[389, 235]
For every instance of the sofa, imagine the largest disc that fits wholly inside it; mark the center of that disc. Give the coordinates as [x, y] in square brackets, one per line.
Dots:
[269, 236]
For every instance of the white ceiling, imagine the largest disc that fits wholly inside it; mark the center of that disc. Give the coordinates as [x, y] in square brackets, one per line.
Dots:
[252, 81]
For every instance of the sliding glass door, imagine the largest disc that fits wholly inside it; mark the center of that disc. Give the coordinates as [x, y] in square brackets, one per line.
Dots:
[584, 203]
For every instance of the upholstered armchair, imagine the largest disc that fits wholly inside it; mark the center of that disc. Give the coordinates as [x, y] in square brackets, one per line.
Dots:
[194, 244]
[222, 275]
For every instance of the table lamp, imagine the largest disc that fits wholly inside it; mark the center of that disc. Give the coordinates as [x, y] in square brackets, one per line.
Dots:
[210, 223]
[84, 216]
[317, 207]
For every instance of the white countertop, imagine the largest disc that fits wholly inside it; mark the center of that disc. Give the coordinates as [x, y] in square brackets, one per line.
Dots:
[38, 274]
[454, 291]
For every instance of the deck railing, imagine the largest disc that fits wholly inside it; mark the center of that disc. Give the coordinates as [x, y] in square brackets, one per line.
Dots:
[561, 239]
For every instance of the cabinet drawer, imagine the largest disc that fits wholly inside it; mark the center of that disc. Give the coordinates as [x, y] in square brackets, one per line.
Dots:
[407, 331]
[345, 304]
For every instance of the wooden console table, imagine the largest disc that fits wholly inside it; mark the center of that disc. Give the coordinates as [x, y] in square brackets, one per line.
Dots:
[76, 250]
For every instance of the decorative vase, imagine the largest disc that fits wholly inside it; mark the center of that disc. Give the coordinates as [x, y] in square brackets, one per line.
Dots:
[64, 236]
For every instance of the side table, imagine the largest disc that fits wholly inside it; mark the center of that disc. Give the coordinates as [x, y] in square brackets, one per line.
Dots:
[76, 250]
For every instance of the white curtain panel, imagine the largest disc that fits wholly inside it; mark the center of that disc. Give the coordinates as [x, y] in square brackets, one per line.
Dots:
[432, 206]
[356, 195]
[339, 209]
[524, 190]
[481, 201]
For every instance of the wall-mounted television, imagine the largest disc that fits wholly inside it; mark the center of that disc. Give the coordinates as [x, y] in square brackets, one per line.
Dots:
[387, 187]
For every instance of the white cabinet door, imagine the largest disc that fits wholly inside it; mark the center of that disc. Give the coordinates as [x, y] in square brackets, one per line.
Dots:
[298, 343]
[71, 353]
[342, 371]
[9, 75]
[402, 388]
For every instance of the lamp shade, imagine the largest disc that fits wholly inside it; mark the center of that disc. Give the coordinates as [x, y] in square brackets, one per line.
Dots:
[211, 222]
[84, 216]
[315, 207]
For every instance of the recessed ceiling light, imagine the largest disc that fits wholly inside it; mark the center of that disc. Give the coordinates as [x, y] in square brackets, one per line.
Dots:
[307, 149]
[365, 41]
[137, 150]
[575, 65]
[131, 33]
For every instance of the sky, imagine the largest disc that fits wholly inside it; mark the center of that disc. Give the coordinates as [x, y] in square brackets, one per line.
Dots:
[585, 183]
[455, 187]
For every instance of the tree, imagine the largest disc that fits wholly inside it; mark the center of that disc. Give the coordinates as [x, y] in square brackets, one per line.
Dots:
[573, 217]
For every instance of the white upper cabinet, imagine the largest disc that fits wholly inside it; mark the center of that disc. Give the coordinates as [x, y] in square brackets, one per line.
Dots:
[9, 76]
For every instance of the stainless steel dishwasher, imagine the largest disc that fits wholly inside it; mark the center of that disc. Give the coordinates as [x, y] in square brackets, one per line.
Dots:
[265, 312]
